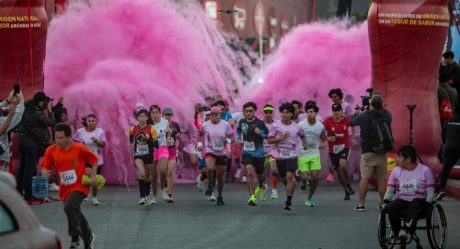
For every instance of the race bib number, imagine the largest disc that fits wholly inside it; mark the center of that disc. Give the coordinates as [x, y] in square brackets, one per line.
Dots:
[408, 186]
[217, 146]
[142, 149]
[337, 148]
[68, 177]
[286, 153]
[249, 146]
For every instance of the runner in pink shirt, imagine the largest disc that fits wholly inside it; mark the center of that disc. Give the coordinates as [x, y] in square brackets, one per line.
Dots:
[285, 135]
[217, 133]
[414, 185]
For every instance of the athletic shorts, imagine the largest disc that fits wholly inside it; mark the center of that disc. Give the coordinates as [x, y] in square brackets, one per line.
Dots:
[161, 152]
[374, 163]
[220, 160]
[256, 162]
[335, 158]
[307, 164]
[286, 165]
[147, 159]
[268, 161]
[201, 163]
[172, 153]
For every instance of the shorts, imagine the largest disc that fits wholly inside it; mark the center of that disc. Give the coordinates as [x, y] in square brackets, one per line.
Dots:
[268, 161]
[147, 159]
[201, 163]
[286, 165]
[161, 152]
[256, 162]
[172, 152]
[307, 164]
[374, 163]
[220, 160]
[335, 158]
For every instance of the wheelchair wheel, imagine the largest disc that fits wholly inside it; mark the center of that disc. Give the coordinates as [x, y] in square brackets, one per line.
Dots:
[387, 239]
[437, 227]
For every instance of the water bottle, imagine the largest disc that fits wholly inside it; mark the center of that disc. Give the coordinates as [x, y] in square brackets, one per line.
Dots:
[40, 186]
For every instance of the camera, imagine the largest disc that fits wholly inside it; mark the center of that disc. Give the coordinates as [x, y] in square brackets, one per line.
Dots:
[203, 108]
[365, 100]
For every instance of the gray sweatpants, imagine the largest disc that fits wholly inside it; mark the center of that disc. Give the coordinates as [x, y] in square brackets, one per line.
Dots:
[78, 225]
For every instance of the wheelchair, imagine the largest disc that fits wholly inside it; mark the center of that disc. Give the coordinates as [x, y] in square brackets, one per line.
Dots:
[435, 226]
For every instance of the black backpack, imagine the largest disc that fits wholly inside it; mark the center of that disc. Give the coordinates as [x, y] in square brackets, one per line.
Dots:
[380, 136]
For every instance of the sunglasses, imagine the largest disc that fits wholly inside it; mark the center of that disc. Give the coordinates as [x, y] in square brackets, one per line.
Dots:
[214, 114]
[249, 111]
[268, 112]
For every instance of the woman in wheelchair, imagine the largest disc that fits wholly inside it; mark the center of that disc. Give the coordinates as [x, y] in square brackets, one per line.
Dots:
[413, 184]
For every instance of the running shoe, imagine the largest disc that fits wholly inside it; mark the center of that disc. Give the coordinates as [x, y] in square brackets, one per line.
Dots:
[264, 192]
[220, 201]
[440, 196]
[287, 206]
[238, 174]
[142, 201]
[347, 195]
[199, 183]
[274, 194]
[360, 208]
[150, 201]
[75, 243]
[380, 206]
[212, 197]
[310, 203]
[169, 198]
[53, 187]
[244, 180]
[351, 191]
[90, 243]
[330, 177]
[164, 196]
[209, 190]
[258, 192]
[252, 201]
[95, 201]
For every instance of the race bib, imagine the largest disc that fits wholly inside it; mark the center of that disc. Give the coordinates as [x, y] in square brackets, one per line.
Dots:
[68, 177]
[217, 146]
[249, 146]
[337, 148]
[408, 186]
[142, 149]
[286, 153]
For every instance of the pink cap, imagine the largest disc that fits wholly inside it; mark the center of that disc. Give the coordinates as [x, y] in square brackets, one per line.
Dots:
[216, 109]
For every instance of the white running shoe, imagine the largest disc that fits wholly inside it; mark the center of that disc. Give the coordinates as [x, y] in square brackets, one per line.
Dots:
[152, 200]
[142, 201]
[53, 187]
[169, 198]
[212, 197]
[200, 184]
[238, 174]
[95, 201]
[274, 194]
[164, 196]
[244, 180]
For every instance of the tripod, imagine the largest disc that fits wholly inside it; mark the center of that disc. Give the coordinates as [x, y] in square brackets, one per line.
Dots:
[411, 128]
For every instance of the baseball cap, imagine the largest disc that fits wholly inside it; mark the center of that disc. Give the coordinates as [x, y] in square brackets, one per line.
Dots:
[336, 107]
[168, 110]
[40, 96]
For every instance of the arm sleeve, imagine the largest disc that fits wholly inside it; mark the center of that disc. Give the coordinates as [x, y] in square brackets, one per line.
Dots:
[430, 194]
[389, 194]
[17, 116]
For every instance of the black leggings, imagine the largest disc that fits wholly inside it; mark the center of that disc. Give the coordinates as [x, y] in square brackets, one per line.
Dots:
[451, 156]
[411, 210]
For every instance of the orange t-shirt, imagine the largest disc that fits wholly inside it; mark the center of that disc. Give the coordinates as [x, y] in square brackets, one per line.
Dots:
[70, 166]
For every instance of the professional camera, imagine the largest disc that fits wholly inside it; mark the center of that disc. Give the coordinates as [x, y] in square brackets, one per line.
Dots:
[365, 100]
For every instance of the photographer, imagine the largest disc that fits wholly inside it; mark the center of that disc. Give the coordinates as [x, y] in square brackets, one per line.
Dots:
[376, 140]
[10, 118]
[34, 138]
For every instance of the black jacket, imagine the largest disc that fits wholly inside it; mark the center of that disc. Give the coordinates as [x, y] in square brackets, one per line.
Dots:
[451, 132]
[34, 127]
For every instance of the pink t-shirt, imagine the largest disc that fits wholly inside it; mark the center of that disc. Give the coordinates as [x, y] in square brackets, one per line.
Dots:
[289, 147]
[83, 136]
[411, 184]
[268, 148]
[215, 136]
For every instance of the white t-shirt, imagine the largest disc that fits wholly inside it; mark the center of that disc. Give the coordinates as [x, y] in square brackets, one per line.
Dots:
[313, 134]
[85, 136]
[162, 129]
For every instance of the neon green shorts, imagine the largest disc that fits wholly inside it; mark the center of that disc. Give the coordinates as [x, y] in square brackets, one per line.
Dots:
[307, 164]
[268, 161]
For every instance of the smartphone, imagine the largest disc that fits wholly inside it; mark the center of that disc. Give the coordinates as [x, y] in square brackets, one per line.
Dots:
[16, 89]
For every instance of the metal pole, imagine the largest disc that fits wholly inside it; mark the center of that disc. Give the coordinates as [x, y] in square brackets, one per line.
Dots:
[313, 11]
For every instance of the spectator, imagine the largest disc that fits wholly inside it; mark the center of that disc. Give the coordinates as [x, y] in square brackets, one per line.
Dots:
[447, 98]
[336, 95]
[453, 68]
[451, 144]
[373, 160]
[8, 123]
[34, 138]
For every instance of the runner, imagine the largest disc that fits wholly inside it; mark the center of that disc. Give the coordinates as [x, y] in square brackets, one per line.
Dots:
[68, 160]
[269, 163]
[94, 138]
[285, 135]
[251, 132]
[337, 128]
[161, 155]
[227, 116]
[175, 134]
[215, 133]
[309, 159]
[143, 138]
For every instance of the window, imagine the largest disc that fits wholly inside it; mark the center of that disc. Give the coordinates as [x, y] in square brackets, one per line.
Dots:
[7, 221]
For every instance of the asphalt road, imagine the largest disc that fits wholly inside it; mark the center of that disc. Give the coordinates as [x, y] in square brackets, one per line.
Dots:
[194, 222]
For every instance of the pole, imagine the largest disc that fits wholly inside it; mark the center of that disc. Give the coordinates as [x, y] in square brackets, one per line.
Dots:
[313, 11]
[411, 128]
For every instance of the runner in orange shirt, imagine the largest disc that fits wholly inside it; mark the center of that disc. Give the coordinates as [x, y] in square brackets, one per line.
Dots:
[69, 159]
